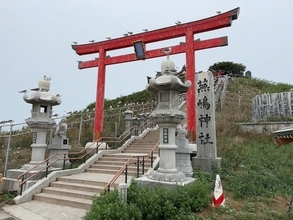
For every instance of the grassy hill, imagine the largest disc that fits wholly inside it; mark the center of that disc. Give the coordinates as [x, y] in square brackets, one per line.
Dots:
[256, 174]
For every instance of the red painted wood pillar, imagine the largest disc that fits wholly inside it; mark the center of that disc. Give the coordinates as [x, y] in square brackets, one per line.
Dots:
[99, 110]
[190, 75]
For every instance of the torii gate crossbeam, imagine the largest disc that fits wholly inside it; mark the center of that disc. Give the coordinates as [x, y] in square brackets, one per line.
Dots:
[186, 29]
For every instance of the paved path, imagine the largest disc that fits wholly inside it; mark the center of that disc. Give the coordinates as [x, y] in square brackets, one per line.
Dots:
[36, 210]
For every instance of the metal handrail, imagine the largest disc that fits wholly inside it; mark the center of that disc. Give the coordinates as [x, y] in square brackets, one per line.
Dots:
[145, 124]
[126, 133]
[37, 165]
[152, 150]
[84, 153]
[23, 181]
[84, 150]
[118, 174]
[121, 137]
[46, 161]
[124, 167]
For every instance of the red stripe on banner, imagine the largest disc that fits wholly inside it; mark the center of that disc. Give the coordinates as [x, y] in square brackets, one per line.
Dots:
[218, 201]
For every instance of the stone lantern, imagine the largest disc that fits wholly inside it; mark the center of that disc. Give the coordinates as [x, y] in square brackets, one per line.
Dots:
[40, 123]
[141, 119]
[135, 124]
[41, 119]
[128, 115]
[167, 86]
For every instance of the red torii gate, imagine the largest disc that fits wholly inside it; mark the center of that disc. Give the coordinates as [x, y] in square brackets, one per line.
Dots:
[185, 29]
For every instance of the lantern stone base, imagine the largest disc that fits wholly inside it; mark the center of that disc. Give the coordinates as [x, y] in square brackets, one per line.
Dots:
[147, 182]
[183, 152]
[206, 164]
[175, 176]
[183, 162]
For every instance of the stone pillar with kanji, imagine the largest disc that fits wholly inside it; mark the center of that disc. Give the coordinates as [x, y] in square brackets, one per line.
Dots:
[206, 157]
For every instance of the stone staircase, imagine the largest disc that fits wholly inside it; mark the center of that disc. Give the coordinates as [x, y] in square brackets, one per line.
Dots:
[77, 190]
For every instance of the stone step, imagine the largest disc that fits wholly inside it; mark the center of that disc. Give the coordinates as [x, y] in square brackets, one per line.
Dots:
[63, 200]
[77, 186]
[70, 192]
[137, 150]
[150, 141]
[101, 171]
[95, 170]
[116, 159]
[132, 167]
[69, 179]
[113, 160]
[142, 144]
[118, 163]
[123, 157]
[110, 162]
[148, 138]
[121, 163]
[120, 156]
[145, 149]
[77, 190]
[146, 146]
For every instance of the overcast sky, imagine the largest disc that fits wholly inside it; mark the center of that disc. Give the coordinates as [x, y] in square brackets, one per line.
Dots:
[36, 38]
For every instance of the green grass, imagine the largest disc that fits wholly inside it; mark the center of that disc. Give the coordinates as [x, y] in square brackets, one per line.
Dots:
[258, 85]
[7, 197]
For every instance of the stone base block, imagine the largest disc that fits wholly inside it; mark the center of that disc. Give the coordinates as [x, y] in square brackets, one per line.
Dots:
[177, 176]
[193, 147]
[147, 182]
[14, 173]
[206, 164]
[59, 143]
[12, 185]
[60, 157]
[102, 146]
[181, 150]
[181, 142]
[183, 163]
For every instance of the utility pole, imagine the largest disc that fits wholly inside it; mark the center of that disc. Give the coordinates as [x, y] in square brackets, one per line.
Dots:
[80, 128]
[8, 147]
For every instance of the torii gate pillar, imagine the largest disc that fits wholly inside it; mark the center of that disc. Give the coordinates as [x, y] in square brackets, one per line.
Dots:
[190, 97]
[186, 30]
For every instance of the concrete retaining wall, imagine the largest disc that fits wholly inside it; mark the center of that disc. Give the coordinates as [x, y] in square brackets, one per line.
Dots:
[261, 127]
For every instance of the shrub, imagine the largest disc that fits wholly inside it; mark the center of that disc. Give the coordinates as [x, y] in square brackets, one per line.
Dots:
[181, 202]
[109, 206]
[162, 203]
